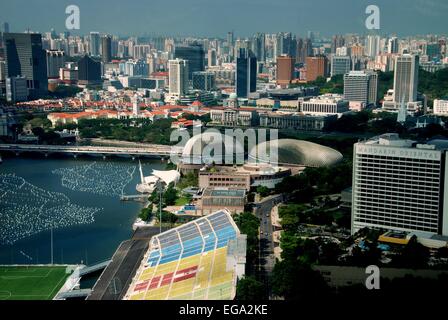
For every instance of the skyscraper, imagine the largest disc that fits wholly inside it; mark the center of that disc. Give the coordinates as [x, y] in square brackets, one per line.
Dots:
[316, 67]
[55, 61]
[285, 70]
[361, 86]
[94, 44]
[259, 46]
[178, 77]
[373, 45]
[392, 45]
[5, 27]
[340, 65]
[211, 57]
[106, 48]
[246, 73]
[406, 78]
[25, 57]
[400, 185]
[194, 54]
[89, 71]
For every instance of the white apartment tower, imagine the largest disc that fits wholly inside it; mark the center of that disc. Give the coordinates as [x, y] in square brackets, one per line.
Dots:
[178, 77]
[399, 185]
[406, 78]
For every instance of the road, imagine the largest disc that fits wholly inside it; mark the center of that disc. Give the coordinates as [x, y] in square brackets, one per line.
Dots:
[266, 258]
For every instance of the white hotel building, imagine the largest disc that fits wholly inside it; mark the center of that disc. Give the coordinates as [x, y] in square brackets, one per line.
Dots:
[400, 185]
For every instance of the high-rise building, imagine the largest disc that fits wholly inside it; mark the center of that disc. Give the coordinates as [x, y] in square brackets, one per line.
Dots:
[95, 44]
[55, 61]
[392, 45]
[361, 86]
[406, 78]
[141, 50]
[106, 48]
[194, 54]
[89, 71]
[178, 77]
[340, 65]
[246, 73]
[25, 57]
[259, 46]
[285, 70]
[337, 42]
[203, 80]
[5, 27]
[211, 57]
[373, 46]
[16, 89]
[400, 185]
[316, 67]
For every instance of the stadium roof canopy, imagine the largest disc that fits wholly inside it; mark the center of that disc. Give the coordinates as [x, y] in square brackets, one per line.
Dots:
[297, 152]
[192, 262]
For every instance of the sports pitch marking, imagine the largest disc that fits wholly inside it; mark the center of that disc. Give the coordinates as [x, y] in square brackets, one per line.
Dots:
[30, 283]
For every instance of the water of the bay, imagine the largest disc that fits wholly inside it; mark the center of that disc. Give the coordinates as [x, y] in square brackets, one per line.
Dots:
[86, 243]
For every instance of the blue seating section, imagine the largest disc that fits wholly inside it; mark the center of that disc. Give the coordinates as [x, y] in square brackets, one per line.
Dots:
[202, 235]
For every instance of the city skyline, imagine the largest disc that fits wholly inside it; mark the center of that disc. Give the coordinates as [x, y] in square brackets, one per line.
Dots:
[174, 17]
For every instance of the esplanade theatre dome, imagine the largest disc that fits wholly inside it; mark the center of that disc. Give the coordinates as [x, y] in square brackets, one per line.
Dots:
[211, 147]
[298, 152]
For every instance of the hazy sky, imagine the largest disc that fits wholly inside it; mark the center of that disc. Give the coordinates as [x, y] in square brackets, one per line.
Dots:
[216, 17]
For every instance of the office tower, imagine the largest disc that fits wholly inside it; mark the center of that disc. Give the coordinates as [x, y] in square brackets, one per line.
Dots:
[178, 76]
[300, 55]
[340, 65]
[94, 44]
[2, 72]
[392, 45]
[406, 78]
[230, 39]
[141, 50]
[373, 46]
[5, 27]
[337, 42]
[285, 70]
[203, 80]
[194, 54]
[134, 68]
[89, 71]
[16, 89]
[211, 57]
[106, 48]
[246, 73]
[285, 44]
[25, 57]
[361, 86]
[55, 61]
[400, 185]
[259, 46]
[316, 67]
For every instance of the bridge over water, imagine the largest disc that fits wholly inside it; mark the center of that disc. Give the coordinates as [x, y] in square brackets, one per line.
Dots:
[158, 151]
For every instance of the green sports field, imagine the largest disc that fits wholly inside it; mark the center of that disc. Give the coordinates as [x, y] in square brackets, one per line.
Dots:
[31, 282]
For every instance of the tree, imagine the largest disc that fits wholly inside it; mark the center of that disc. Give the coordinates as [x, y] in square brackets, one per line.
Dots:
[145, 214]
[248, 288]
[413, 255]
[170, 195]
[263, 191]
